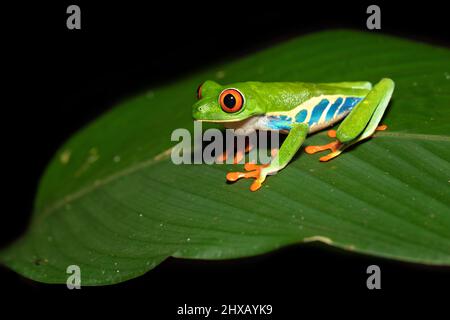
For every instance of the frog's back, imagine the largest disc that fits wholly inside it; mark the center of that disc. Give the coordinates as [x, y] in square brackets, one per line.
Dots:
[318, 105]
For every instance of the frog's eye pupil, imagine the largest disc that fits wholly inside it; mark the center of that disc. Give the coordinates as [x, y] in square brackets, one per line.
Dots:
[229, 101]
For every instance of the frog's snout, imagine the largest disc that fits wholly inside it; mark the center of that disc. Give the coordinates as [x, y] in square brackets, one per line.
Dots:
[198, 110]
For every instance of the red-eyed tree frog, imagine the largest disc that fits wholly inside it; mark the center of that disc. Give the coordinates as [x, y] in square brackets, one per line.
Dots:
[297, 109]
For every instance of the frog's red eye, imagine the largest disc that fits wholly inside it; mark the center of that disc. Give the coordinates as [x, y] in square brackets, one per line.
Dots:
[231, 100]
[199, 91]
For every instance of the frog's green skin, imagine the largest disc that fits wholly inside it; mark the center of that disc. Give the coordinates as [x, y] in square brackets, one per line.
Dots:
[297, 109]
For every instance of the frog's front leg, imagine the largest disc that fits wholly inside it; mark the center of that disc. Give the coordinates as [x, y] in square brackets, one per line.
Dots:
[361, 122]
[291, 144]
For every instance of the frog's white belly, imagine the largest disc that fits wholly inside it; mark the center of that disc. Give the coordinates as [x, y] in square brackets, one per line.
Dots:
[246, 126]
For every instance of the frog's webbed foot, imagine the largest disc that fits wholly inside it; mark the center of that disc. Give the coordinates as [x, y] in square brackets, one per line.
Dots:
[333, 146]
[253, 171]
[336, 146]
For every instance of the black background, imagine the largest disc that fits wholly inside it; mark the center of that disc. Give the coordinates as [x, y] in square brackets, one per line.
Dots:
[56, 80]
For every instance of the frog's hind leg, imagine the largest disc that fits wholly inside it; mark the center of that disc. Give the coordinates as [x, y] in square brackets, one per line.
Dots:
[361, 123]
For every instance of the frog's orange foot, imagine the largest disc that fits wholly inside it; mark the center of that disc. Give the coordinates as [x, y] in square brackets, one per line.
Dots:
[253, 171]
[333, 146]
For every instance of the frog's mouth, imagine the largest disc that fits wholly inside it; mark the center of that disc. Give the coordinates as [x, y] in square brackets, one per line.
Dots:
[219, 121]
[231, 122]
[244, 120]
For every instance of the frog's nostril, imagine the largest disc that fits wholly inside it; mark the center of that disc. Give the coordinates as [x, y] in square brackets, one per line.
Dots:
[200, 109]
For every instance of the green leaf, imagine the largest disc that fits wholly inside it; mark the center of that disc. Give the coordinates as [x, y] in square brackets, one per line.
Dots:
[112, 202]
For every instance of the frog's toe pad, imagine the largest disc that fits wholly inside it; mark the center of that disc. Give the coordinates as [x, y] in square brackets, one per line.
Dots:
[331, 133]
[252, 171]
